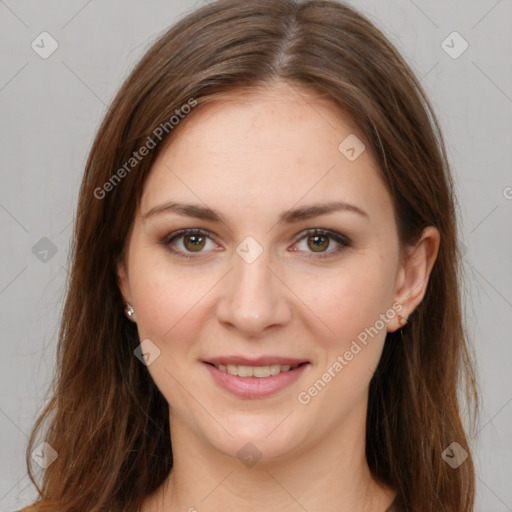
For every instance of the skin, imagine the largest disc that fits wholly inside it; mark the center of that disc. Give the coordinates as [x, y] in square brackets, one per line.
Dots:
[251, 157]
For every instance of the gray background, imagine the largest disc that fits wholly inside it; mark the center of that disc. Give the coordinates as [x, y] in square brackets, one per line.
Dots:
[50, 109]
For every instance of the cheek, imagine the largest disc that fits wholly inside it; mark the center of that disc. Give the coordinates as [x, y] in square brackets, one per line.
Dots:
[348, 301]
[167, 296]
[351, 307]
[171, 313]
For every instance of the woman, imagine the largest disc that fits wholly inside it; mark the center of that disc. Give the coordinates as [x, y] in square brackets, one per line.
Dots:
[269, 203]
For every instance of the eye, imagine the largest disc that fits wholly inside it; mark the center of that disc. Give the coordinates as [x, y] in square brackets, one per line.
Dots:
[189, 241]
[319, 240]
[185, 242]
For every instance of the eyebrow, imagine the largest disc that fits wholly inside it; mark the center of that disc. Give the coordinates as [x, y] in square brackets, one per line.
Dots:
[288, 216]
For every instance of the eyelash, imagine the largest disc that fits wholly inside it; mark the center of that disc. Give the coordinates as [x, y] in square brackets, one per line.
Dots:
[342, 240]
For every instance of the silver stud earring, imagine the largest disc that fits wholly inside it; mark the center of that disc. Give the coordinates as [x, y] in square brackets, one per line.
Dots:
[129, 311]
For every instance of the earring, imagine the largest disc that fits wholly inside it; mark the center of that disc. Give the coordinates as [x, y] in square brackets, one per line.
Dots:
[129, 311]
[401, 320]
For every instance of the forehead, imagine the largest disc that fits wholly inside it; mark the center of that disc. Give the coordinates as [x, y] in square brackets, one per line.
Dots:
[281, 120]
[263, 149]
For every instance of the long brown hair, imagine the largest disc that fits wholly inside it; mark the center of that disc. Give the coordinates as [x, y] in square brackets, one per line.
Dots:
[106, 419]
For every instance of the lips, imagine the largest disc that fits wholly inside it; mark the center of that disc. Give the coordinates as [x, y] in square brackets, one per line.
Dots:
[271, 374]
[258, 361]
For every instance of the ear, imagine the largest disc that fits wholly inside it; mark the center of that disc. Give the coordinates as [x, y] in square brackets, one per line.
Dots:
[122, 280]
[413, 275]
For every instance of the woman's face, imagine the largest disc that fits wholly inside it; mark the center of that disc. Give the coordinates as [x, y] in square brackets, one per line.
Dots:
[256, 284]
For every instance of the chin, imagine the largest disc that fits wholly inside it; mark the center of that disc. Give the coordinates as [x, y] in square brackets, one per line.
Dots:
[266, 439]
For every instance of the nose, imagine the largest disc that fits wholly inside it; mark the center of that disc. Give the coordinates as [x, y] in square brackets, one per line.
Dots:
[254, 298]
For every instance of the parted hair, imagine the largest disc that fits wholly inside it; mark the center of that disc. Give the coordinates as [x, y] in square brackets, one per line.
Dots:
[106, 418]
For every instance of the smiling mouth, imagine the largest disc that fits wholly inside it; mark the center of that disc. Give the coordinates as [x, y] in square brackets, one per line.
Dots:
[256, 371]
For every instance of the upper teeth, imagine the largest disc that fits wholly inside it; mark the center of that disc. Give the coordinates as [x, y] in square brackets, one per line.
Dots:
[255, 371]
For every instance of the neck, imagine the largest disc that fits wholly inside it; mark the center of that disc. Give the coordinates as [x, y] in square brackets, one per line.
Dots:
[331, 475]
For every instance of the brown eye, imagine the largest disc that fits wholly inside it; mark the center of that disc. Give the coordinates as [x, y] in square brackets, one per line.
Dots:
[194, 243]
[322, 243]
[318, 243]
[189, 243]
